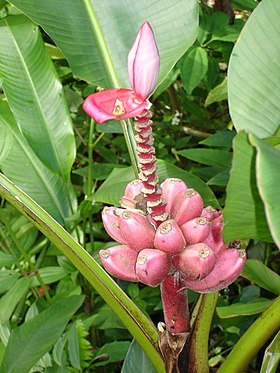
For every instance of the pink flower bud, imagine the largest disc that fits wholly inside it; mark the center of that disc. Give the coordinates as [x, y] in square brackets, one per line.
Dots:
[228, 267]
[196, 230]
[169, 237]
[152, 266]
[210, 213]
[137, 231]
[120, 262]
[188, 205]
[111, 223]
[195, 262]
[171, 187]
[143, 62]
[215, 238]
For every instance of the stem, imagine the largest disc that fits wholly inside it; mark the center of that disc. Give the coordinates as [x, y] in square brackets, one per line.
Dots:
[146, 155]
[134, 320]
[131, 146]
[175, 305]
[198, 345]
[89, 179]
[252, 340]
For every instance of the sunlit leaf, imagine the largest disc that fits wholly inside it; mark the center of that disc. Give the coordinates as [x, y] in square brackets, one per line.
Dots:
[255, 271]
[102, 33]
[244, 215]
[254, 72]
[268, 181]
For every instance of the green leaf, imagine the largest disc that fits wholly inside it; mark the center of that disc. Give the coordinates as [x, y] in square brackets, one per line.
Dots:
[217, 94]
[108, 29]
[25, 169]
[7, 279]
[268, 181]
[113, 188]
[256, 272]
[244, 309]
[194, 68]
[5, 146]
[244, 214]
[221, 179]
[100, 171]
[254, 73]
[220, 139]
[210, 157]
[49, 275]
[116, 351]
[271, 358]
[245, 4]
[35, 94]
[6, 259]
[73, 346]
[30, 341]
[136, 360]
[9, 301]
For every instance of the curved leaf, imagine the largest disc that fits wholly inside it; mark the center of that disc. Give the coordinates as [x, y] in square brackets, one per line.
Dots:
[268, 181]
[35, 94]
[30, 341]
[254, 72]
[244, 215]
[29, 173]
[113, 188]
[96, 36]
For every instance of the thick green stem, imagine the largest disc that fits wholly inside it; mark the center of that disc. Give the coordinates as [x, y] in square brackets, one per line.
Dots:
[198, 342]
[252, 341]
[136, 322]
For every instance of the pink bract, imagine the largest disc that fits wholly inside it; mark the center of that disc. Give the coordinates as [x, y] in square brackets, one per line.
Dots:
[143, 62]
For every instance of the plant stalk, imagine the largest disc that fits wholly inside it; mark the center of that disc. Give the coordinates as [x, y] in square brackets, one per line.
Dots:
[253, 339]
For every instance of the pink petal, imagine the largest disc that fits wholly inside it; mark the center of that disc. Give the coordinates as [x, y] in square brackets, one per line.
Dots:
[143, 62]
[118, 103]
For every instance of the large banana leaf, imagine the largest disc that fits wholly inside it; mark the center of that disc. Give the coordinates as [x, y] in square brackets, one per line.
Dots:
[254, 72]
[244, 215]
[268, 180]
[35, 94]
[19, 162]
[95, 36]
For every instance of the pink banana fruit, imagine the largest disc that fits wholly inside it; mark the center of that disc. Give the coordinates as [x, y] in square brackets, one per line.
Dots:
[152, 266]
[188, 205]
[169, 237]
[120, 262]
[137, 231]
[111, 223]
[171, 187]
[195, 262]
[228, 267]
[196, 230]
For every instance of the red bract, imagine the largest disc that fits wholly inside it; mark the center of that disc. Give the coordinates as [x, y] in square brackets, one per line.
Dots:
[143, 68]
